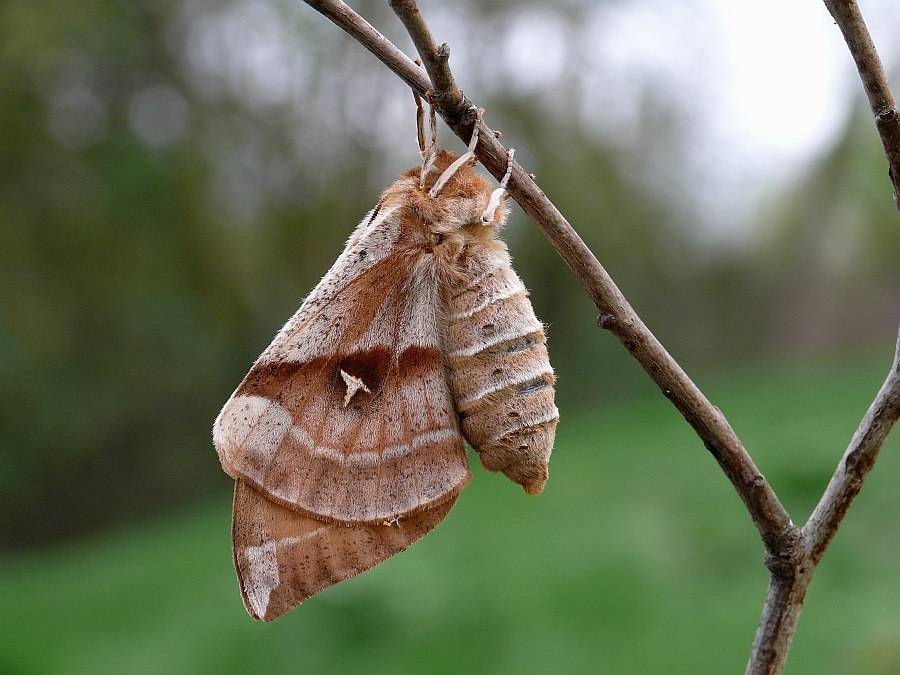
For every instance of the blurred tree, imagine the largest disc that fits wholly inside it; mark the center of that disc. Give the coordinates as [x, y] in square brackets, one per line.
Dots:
[832, 245]
[141, 270]
[117, 319]
[818, 274]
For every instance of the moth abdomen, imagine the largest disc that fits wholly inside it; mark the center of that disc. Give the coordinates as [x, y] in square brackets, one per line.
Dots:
[500, 373]
[482, 377]
[512, 427]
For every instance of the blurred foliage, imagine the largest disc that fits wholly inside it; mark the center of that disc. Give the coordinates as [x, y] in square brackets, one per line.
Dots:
[116, 314]
[175, 177]
[128, 312]
[830, 249]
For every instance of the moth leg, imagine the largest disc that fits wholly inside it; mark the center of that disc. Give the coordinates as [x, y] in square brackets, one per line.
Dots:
[491, 209]
[420, 122]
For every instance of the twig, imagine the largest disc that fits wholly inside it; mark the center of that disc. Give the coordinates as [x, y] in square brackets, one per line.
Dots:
[855, 464]
[446, 95]
[849, 19]
[617, 316]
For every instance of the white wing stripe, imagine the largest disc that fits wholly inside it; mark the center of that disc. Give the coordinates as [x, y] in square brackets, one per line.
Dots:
[418, 442]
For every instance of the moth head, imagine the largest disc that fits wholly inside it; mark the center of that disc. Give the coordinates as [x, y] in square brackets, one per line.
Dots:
[461, 200]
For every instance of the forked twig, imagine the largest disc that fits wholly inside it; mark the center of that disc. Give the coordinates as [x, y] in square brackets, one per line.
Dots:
[791, 553]
[786, 591]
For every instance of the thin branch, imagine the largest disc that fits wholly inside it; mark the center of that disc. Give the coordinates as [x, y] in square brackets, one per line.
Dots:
[617, 316]
[855, 464]
[446, 95]
[885, 409]
[849, 19]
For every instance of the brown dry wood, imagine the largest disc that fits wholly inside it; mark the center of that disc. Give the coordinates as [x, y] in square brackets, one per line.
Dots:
[848, 17]
[791, 553]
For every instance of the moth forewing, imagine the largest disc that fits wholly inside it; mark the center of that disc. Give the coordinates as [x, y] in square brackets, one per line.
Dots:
[393, 446]
[346, 436]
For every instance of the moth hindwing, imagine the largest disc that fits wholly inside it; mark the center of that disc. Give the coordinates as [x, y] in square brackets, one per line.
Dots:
[346, 438]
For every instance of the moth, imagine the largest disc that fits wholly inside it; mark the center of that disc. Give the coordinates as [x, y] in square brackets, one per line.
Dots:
[346, 438]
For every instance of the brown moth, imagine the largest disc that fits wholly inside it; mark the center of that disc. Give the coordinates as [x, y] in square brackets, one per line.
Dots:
[346, 438]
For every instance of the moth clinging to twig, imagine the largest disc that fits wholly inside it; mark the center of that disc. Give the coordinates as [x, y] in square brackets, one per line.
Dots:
[346, 438]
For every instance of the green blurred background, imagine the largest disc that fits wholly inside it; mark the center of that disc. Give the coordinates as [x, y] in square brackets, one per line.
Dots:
[175, 177]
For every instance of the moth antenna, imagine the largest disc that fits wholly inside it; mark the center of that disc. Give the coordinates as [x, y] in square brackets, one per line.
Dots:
[498, 194]
[420, 122]
[465, 157]
[432, 120]
[429, 154]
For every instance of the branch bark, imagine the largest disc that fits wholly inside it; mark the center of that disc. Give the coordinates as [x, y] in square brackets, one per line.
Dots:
[446, 96]
[791, 553]
[855, 464]
[847, 15]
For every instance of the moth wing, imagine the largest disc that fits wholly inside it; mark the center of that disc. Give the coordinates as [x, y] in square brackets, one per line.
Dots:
[283, 557]
[347, 415]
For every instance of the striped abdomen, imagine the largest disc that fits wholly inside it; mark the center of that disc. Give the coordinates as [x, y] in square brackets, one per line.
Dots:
[500, 375]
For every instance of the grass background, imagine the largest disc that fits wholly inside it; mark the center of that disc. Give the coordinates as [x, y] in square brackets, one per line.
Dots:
[638, 558]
